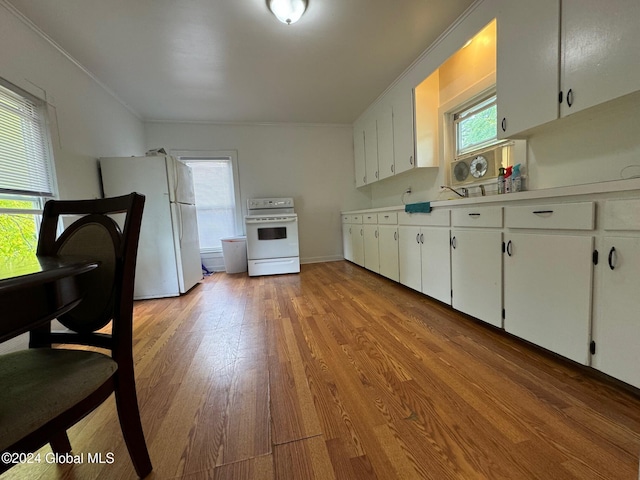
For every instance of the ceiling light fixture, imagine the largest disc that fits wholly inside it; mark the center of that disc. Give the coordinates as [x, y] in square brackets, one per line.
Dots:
[287, 11]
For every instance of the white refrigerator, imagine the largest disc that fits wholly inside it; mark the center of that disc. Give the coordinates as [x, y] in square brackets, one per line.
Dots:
[169, 251]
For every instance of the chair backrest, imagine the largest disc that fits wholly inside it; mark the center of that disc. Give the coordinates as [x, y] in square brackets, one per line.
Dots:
[107, 290]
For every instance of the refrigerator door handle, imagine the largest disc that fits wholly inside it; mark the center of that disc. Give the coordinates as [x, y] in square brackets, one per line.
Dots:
[180, 225]
[174, 163]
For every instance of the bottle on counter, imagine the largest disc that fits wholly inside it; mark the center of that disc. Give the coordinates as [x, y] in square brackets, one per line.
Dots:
[507, 179]
[501, 180]
[516, 179]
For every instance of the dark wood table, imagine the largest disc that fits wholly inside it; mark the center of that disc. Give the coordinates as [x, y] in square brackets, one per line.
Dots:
[38, 290]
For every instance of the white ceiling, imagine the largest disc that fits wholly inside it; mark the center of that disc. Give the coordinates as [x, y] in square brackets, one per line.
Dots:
[233, 61]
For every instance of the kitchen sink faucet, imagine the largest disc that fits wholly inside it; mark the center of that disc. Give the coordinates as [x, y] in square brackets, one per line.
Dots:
[464, 194]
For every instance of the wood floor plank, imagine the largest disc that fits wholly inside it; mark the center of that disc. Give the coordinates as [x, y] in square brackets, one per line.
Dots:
[306, 459]
[292, 407]
[256, 468]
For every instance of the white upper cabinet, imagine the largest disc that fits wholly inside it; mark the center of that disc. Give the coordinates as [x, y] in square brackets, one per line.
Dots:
[403, 147]
[528, 49]
[386, 166]
[358, 152]
[374, 145]
[371, 149]
[600, 54]
[557, 58]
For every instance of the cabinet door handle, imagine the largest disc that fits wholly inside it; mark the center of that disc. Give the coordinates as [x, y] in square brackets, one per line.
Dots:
[392, 168]
[376, 234]
[361, 232]
[411, 160]
[454, 242]
[509, 248]
[612, 258]
[364, 179]
[376, 174]
[542, 212]
[395, 235]
[417, 238]
[504, 124]
[570, 97]
[474, 214]
[349, 230]
[422, 238]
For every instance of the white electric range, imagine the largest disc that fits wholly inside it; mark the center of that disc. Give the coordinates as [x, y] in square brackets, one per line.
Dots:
[272, 236]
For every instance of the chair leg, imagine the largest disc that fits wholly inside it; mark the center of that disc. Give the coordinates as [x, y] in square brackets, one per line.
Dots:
[129, 417]
[60, 443]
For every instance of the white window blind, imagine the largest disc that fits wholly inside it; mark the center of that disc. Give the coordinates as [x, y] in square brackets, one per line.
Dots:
[25, 168]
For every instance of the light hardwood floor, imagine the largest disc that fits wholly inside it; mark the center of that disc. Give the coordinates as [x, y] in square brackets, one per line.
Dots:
[338, 373]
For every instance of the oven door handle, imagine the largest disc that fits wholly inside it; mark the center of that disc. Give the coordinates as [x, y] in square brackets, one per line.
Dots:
[270, 220]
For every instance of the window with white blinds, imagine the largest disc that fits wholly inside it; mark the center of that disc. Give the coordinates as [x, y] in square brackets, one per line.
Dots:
[25, 167]
[26, 173]
[215, 184]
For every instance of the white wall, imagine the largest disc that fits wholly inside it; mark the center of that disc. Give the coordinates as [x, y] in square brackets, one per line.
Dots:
[86, 121]
[587, 147]
[312, 163]
[592, 146]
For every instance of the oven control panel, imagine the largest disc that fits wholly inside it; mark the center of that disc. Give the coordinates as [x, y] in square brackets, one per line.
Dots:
[260, 203]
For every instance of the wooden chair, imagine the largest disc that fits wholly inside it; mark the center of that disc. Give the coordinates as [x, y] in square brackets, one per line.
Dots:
[45, 390]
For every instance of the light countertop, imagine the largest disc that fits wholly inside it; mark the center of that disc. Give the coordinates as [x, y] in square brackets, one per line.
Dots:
[574, 190]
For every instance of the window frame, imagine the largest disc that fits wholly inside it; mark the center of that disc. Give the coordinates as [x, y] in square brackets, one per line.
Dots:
[37, 199]
[205, 155]
[476, 105]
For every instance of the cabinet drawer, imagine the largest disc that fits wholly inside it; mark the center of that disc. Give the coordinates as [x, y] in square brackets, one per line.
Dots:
[622, 214]
[559, 216]
[356, 218]
[477, 217]
[346, 218]
[438, 218]
[370, 218]
[388, 218]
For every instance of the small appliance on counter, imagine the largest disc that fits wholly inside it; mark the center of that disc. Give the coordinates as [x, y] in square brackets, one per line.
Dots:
[272, 236]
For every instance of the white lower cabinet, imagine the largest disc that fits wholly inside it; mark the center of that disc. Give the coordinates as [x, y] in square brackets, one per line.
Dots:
[476, 273]
[424, 261]
[424, 253]
[353, 239]
[347, 249]
[616, 329]
[388, 248]
[616, 323]
[371, 249]
[410, 257]
[436, 263]
[357, 244]
[547, 291]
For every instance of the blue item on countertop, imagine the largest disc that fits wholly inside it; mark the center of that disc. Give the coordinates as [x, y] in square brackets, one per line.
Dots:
[516, 179]
[420, 207]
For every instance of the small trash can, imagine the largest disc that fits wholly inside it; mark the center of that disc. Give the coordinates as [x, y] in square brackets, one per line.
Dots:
[234, 252]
